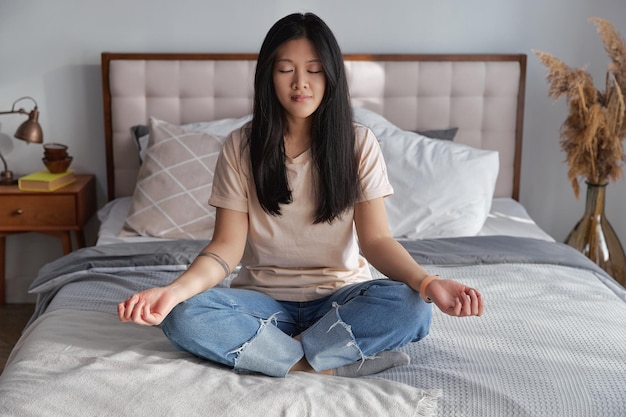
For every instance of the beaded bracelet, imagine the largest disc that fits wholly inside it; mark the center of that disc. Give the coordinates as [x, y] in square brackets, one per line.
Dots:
[425, 282]
[219, 260]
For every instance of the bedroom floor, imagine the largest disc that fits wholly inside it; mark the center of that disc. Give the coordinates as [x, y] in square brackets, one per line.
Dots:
[13, 318]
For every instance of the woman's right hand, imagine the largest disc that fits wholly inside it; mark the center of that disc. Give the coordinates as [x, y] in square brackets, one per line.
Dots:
[148, 307]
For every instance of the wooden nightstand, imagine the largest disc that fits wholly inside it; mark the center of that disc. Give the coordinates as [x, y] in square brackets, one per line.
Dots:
[57, 213]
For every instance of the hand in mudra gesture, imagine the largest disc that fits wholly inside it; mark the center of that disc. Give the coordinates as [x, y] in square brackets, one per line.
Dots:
[455, 298]
[148, 307]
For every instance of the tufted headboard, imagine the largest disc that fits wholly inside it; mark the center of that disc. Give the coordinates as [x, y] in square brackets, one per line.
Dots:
[481, 95]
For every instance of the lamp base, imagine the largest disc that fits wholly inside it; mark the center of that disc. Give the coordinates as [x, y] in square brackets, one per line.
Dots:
[7, 178]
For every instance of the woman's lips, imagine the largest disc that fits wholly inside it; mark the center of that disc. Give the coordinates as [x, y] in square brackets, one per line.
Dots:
[300, 98]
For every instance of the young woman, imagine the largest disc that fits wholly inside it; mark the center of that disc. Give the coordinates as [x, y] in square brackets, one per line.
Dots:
[290, 190]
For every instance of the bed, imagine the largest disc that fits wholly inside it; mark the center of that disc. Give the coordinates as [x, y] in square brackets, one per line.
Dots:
[550, 343]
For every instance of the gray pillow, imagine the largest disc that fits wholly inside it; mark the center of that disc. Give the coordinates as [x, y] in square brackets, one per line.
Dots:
[139, 133]
[444, 134]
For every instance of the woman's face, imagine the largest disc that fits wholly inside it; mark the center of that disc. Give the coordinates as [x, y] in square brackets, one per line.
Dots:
[299, 79]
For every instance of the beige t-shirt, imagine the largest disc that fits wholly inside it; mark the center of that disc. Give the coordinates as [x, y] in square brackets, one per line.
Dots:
[288, 257]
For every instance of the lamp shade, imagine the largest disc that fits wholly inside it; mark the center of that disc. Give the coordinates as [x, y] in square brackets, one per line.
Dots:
[30, 131]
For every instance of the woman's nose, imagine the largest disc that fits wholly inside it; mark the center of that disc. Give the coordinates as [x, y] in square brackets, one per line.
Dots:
[299, 80]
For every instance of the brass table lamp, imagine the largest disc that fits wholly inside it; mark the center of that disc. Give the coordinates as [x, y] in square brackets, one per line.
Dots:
[29, 131]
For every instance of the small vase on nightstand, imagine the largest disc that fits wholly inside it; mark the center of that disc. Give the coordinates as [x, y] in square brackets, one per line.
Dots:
[594, 236]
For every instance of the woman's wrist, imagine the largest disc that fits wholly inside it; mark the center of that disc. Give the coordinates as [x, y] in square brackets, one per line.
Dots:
[188, 284]
[426, 281]
[179, 292]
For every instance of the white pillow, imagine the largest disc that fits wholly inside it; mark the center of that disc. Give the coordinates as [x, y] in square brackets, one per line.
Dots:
[441, 188]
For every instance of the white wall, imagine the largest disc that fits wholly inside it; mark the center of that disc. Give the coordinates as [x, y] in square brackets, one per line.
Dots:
[50, 50]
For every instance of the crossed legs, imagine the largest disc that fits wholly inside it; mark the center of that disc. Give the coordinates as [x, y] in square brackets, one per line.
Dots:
[252, 332]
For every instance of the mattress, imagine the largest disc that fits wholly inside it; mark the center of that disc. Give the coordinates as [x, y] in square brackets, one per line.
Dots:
[506, 217]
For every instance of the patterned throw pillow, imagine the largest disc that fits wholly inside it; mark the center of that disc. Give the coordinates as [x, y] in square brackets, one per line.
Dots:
[174, 185]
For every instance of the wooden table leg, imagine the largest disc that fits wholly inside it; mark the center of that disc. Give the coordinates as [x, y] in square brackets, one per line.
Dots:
[66, 239]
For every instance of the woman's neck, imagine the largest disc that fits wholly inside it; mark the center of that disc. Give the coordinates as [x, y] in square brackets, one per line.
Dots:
[298, 138]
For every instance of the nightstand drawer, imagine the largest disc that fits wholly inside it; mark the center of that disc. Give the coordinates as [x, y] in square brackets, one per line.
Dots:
[27, 210]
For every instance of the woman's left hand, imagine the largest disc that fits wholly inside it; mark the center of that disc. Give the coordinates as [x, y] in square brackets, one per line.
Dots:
[454, 298]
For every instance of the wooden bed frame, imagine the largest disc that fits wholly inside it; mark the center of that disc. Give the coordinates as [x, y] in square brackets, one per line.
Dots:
[480, 94]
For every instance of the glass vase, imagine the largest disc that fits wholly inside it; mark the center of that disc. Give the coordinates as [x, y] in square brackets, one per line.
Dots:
[594, 236]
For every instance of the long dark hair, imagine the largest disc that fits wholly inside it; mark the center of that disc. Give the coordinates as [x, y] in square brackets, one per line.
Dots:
[332, 133]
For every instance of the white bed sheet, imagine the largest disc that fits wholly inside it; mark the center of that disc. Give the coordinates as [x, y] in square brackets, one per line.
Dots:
[507, 217]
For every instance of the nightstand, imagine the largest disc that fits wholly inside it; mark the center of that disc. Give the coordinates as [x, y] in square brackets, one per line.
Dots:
[57, 213]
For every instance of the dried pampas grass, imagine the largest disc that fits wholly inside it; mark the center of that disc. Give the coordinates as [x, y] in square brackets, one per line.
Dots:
[594, 129]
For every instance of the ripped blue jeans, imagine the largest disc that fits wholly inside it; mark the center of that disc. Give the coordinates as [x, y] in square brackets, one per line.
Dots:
[250, 331]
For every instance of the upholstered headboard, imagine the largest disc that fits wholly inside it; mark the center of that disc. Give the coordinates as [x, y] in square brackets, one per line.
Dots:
[481, 95]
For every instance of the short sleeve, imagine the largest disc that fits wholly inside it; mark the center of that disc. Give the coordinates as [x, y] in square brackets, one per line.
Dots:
[231, 178]
[372, 168]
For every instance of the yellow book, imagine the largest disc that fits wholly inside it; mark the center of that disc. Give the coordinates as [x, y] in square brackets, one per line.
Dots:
[46, 181]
